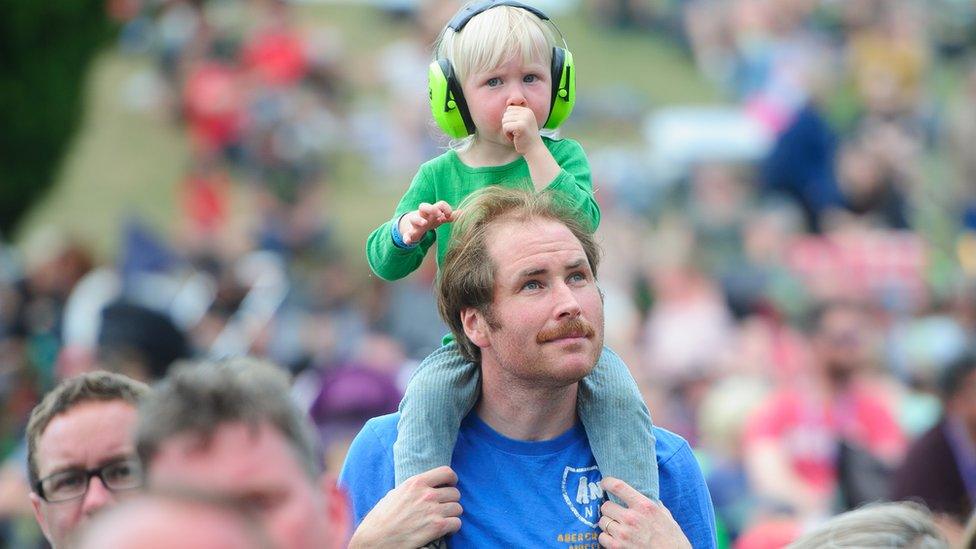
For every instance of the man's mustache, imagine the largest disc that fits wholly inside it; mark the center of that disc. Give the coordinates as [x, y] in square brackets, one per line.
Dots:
[575, 327]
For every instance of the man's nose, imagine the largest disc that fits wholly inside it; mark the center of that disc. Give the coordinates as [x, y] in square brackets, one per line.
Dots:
[567, 305]
[96, 497]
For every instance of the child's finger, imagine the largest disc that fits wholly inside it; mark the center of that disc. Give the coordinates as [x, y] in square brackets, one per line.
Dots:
[417, 219]
[432, 214]
[443, 208]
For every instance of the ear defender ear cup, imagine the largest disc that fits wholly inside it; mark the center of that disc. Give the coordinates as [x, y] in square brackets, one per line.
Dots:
[447, 103]
[563, 88]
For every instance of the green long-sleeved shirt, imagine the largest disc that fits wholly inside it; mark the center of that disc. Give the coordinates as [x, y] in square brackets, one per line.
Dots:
[447, 178]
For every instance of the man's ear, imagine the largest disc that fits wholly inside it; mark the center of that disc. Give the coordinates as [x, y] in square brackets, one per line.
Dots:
[338, 510]
[38, 515]
[475, 326]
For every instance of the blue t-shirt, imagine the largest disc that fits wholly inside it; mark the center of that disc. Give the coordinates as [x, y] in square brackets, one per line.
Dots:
[529, 494]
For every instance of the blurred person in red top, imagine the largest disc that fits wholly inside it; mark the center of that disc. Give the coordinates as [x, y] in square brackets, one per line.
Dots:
[275, 54]
[794, 440]
[205, 195]
[213, 103]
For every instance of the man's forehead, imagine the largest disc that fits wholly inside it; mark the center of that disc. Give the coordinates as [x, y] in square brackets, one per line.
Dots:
[90, 431]
[535, 268]
[516, 243]
[233, 450]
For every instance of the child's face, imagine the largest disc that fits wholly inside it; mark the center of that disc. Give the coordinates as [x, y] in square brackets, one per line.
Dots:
[490, 93]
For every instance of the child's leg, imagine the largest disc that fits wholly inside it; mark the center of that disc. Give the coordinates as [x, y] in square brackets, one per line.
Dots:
[441, 392]
[618, 425]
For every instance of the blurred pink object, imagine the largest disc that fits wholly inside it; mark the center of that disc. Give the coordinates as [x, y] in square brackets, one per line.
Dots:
[808, 427]
[880, 264]
[770, 534]
[74, 360]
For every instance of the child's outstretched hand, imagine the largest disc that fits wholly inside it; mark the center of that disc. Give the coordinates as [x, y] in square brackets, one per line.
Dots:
[521, 128]
[427, 217]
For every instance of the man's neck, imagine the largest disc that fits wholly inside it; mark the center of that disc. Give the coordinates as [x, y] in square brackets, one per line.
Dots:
[523, 413]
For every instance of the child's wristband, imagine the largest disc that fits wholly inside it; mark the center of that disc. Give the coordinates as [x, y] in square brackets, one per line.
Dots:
[398, 238]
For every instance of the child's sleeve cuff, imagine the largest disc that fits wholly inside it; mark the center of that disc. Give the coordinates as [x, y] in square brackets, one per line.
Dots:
[398, 238]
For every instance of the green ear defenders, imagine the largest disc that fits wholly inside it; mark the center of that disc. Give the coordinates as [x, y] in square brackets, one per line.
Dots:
[447, 103]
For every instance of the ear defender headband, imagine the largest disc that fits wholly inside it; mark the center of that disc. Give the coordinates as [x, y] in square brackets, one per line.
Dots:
[447, 103]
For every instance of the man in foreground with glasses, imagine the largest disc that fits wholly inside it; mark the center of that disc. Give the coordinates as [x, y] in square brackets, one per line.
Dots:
[80, 450]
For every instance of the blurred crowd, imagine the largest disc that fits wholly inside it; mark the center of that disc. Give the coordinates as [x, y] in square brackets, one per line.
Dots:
[800, 313]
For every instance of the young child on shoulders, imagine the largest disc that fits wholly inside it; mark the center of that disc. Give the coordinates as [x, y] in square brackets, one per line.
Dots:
[502, 76]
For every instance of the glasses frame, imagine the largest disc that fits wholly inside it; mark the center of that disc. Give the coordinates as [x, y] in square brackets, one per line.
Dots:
[89, 474]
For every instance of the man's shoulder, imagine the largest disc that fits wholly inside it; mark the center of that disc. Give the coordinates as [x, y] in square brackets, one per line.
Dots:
[372, 448]
[381, 429]
[367, 473]
[373, 444]
[668, 445]
[683, 488]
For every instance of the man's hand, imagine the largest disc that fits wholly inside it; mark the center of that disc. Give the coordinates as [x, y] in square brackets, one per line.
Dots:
[521, 128]
[643, 523]
[427, 217]
[424, 508]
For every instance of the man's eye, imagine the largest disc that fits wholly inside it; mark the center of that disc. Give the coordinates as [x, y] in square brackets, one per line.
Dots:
[261, 503]
[492, 82]
[577, 277]
[532, 285]
[121, 471]
[67, 481]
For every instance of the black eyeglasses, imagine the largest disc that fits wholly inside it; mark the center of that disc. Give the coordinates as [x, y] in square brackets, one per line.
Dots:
[124, 474]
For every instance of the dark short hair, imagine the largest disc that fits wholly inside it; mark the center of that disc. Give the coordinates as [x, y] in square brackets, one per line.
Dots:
[951, 379]
[200, 397]
[94, 386]
[467, 277]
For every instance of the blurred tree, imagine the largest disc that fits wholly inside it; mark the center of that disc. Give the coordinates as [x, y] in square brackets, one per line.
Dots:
[45, 51]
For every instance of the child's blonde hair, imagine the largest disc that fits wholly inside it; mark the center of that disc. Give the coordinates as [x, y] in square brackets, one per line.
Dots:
[492, 38]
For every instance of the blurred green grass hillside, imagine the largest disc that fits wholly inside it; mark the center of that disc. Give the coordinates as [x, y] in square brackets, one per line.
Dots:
[125, 162]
